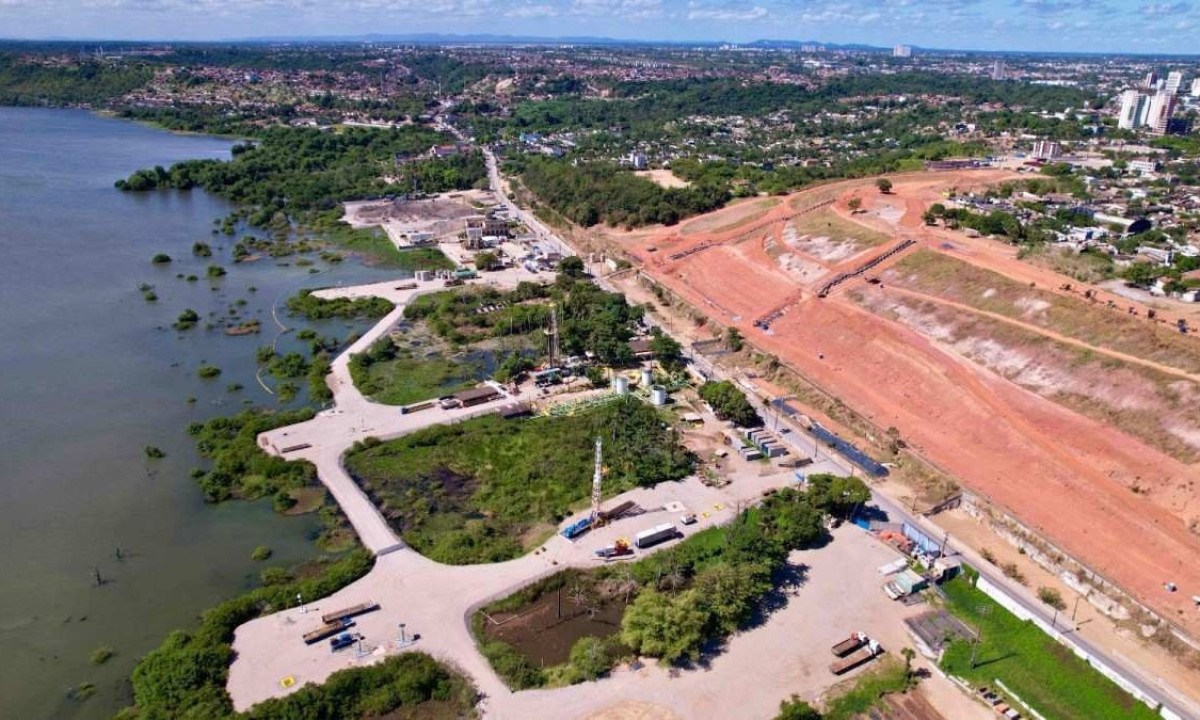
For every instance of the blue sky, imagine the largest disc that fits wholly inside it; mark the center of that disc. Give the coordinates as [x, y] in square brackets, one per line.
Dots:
[1149, 26]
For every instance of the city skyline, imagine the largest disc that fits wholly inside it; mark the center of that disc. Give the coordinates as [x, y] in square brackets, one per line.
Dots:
[1112, 26]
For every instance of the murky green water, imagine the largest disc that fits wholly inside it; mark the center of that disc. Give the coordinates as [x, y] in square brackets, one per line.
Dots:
[89, 374]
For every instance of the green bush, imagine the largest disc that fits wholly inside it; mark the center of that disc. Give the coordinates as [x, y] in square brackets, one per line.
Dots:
[160, 259]
[208, 372]
[729, 403]
[262, 552]
[102, 655]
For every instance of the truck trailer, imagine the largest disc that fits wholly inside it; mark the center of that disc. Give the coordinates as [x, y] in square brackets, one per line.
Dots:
[655, 535]
[850, 644]
[862, 655]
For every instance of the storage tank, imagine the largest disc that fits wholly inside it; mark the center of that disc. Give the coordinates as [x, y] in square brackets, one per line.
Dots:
[621, 385]
[647, 377]
[658, 395]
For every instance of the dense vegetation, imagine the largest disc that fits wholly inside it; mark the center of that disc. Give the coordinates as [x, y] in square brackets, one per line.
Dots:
[602, 193]
[683, 600]
[292, 170]
[402, 683]
[89, 83]
[305, 304]
[185, 677]
[729, 403]
[392, 375]
[589, 319]
[239, 467]
[644, 105]
[470, 492]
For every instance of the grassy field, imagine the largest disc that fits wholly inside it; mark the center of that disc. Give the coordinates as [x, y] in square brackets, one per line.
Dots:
[1084, 267]
[410, 379]
[936, 274]
[826, 223]
[473, 492]
[868, 690]
[374, 244]
[1044, 673]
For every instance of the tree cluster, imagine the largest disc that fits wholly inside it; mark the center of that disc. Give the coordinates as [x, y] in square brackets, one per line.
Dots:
[729, 403]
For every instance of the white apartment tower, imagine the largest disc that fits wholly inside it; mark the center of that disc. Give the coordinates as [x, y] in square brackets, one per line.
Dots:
[1174, 82]
[902, 51]
[1162, 107]
[1196, 88]
[998, 70]
[1133, 109]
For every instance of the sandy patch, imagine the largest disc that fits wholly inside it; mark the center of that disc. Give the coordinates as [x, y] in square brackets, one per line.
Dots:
[666, 178]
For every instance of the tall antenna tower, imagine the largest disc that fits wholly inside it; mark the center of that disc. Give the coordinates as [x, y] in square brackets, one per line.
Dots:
[552, 350]
[597, 478]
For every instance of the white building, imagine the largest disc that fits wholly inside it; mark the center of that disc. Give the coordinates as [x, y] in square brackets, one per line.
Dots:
[1134, 107]
[1144, 167]
[1174, 82]
[638, 160]
[1162, 107]
[1196, 88]
[1046, 149]
[998, 70]
[902, 51]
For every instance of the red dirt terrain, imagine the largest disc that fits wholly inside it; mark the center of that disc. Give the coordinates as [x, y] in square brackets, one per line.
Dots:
[1069, 476]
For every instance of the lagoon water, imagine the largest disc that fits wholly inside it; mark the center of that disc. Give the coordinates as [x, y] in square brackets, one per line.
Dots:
[90, 373]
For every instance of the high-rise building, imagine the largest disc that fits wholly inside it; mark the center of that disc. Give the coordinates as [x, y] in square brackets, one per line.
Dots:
[1162, 107]
[1133, 109]
[1196, 87]
[1151, 81]
[902, 51]
[1174, 82]
[998, 70]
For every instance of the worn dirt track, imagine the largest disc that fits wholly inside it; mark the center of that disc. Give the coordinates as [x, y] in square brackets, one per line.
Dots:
[1067, 476]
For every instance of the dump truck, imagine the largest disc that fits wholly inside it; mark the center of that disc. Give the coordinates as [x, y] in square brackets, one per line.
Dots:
[350, 612]
[655, 535]
[850, 644]
[853, 660]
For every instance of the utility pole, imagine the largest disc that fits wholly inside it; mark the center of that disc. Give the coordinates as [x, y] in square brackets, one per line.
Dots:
[983, 611]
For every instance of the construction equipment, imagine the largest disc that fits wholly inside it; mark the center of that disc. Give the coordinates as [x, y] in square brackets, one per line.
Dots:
[617, 549]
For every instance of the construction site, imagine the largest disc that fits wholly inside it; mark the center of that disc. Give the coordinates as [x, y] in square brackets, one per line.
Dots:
[1032, 392]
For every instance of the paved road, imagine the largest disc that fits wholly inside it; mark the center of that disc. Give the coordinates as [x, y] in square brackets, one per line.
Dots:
[1157, 690]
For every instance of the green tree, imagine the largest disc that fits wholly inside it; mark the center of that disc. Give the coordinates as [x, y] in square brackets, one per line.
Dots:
[589, 655]
[729, 403]
[797, 709]
[666, 349]
[730, 591]
[664, 626]
[1052, 597]
[884, 185]
[486, 260]
[733, 339]
[855, 204]
[572, 266]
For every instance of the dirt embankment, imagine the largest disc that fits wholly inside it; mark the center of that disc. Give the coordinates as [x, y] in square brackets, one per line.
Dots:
[1036, 432]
